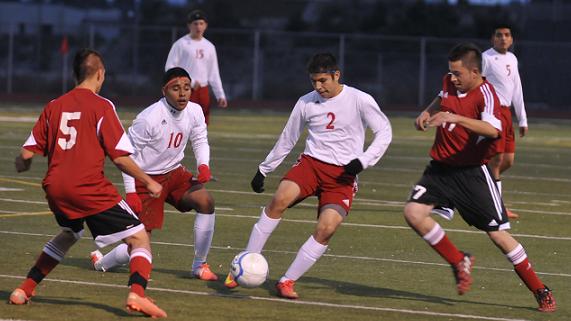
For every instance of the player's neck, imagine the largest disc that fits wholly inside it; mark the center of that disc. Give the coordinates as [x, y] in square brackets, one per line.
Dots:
[501, 51]
[89, 85]
[196, 37]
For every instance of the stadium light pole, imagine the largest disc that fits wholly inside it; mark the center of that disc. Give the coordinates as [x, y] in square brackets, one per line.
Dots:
[10, 59]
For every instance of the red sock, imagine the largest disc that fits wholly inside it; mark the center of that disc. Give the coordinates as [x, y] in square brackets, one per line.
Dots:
[528, 276]
[448, 251]
[44, 265]
[140, 268]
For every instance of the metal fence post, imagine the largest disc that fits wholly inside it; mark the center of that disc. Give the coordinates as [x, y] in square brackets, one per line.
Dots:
[173, 34]
[422, 72]
[341, 51]
[91, 36]
[256, 67]
[10, 59]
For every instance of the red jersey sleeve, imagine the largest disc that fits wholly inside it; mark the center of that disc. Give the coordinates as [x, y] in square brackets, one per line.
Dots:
[37, 142]
[113, 138]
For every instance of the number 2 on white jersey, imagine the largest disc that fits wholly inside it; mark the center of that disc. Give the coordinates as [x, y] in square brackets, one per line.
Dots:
[68, 130]
[330, 125]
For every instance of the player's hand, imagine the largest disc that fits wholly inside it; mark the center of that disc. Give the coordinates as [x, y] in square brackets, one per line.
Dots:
[154, 188]
[258, 182]
[21, 164]
[222, 102]
[204, 174]
[354, 167]
[134, 202]
[421, 122]
[522, 131]
[441, 118]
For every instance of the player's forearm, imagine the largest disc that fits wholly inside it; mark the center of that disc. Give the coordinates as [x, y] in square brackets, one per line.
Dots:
[478, 127]
[129, 167]
[26, 154]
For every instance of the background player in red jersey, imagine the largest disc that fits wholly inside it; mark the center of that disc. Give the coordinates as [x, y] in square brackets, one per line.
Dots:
[500, 67]
[197, 55]
[466, 116]
[76, 131]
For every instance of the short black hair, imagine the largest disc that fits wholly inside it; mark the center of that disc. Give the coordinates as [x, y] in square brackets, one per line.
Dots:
[82, 69]
[196, 15]
[502, 26]
[469, 53]
[322, 63]
[174, 73]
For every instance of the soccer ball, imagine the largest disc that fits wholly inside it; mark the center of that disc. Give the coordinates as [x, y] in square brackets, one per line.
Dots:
[249, 269]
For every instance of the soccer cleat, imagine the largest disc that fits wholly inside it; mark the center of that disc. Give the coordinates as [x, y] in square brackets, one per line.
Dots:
[96, 257]
[285, 289]
[546, 300]
[19, 297]
[511, 214]
[463, 273]
[204, 273]
[230, 282]
[145, 305]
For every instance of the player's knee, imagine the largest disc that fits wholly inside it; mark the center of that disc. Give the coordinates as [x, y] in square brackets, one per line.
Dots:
[413, 213]
[323, 233]
[279, 203]
[139, 239]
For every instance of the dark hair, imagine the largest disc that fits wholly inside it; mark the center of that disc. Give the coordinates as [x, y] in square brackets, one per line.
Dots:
[174, 73]
[322, 63]
[469, 53]
[196, 15]
[83, 67]
[502, 26]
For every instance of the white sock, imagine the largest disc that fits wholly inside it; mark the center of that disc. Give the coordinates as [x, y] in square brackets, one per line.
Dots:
[261, 232]
[308, 254]
[499, 184]
[116, 257]
[203, 232]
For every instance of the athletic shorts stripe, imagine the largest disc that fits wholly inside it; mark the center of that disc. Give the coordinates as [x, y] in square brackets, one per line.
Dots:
[493, 190]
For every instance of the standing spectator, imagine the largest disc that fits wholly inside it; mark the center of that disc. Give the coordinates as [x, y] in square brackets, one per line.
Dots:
[500, 67]
[159, 135]
[197, 55]
[466, 116]
[337, 117]
[76, 131]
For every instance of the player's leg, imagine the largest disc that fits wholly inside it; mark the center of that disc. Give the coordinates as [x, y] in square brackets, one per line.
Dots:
[287, 193]
[120, 223]
[53, 252]
[428, 191]
[516, 254]
[329, 220]
[498, 165]
[199, 199]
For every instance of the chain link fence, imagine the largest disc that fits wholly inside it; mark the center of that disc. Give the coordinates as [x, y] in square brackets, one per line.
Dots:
[265, 65]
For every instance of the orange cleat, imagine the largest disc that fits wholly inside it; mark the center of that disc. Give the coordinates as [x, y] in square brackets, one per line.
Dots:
[511, 214]
[230, 282]
[463, 273]
[545, 300]
[145, 305]
[285, 289]
[204, 273]
[19, 297]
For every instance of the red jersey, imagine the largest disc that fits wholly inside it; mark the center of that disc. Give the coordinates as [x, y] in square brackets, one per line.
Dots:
[454, 144]
[76, 131]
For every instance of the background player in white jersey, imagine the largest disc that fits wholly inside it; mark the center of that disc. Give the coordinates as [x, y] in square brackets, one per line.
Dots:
[159, 135]
[336, 116]
[500, 67]
[197, 55]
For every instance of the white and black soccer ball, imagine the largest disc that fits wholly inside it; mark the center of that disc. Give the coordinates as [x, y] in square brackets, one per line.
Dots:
[249, 269]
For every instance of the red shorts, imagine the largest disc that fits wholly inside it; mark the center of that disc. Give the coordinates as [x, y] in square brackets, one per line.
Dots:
[506, 144]
[328, 182]
[201, 96]
[175, 183]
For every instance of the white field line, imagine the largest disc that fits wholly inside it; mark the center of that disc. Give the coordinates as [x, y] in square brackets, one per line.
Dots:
[338, 256]
[561, 238]
[284, 301]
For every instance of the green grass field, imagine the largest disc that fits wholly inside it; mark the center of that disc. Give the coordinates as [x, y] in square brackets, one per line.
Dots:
[376, 268]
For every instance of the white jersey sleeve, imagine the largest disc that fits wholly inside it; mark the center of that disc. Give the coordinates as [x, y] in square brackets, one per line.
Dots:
[214, 76]
[379, 124]
[140, 136]
[199, 136]
[517, 100]
[173, 59]
[287, 140]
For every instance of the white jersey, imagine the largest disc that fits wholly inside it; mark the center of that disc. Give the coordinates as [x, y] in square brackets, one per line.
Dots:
[501, 70]
[159, 135]
[336, 130]
[199, 59]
